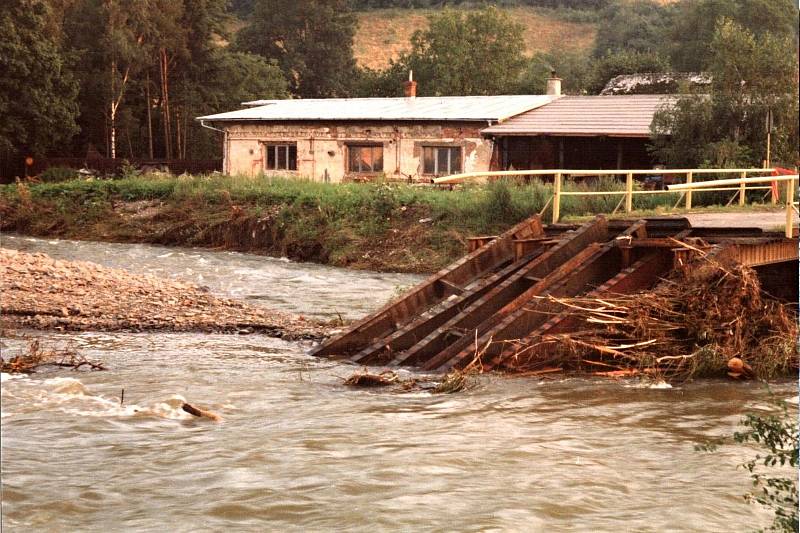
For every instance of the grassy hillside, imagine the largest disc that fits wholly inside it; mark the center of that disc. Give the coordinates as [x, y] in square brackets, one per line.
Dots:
[383, 34]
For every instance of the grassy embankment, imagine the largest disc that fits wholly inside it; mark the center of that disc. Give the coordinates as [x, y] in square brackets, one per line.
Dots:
[379, 226]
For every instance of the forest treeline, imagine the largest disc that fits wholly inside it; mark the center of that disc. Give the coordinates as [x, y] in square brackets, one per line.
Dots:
[128, 77]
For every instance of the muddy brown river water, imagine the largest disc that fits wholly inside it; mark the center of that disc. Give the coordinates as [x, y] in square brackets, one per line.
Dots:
[297, 451]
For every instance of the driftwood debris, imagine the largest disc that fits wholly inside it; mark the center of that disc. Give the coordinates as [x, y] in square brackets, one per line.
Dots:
[708, 320]
[366, 379]
[200, 413]
[37, 356]
[454, 381]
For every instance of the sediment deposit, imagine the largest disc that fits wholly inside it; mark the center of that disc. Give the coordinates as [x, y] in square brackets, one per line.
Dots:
[40, 292]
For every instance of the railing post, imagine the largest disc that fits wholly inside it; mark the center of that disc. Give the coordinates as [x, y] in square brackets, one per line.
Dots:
[556, 197]
[629, 192]
[742, 189]
[789, 207]
[689, 191]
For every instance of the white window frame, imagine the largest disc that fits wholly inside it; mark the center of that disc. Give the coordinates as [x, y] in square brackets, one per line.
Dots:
[449, 149]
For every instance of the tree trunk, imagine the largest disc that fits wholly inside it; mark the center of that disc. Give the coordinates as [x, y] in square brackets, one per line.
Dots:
[128, 138]
[148, 102]
[178, 132]
[165, 102]
[113, 132]
[113, 114]
[185, 132]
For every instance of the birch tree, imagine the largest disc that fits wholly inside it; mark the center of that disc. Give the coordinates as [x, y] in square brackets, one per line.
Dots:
[123, 42]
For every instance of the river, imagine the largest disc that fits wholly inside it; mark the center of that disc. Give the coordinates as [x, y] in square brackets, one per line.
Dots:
[297, 451]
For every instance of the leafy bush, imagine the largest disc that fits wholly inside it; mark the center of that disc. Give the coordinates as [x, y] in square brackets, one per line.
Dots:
[58, 174]
[777, 433]
[128, 171]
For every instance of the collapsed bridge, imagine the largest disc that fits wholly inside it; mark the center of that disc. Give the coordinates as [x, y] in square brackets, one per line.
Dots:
[506, 289]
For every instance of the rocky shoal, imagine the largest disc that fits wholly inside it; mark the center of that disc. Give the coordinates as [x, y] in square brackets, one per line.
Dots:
[39, 292]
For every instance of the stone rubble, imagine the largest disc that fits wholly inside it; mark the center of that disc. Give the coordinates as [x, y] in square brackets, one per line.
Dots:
[39, 292]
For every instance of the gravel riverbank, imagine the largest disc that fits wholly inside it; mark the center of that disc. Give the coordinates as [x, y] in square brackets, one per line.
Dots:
[40, 292]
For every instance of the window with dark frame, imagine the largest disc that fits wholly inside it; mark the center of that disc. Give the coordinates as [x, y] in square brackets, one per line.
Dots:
[364, 158]
[441, 160]
[281, 156]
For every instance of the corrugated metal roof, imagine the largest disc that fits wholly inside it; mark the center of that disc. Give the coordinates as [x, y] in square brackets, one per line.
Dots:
[455, 108]
[614, 116]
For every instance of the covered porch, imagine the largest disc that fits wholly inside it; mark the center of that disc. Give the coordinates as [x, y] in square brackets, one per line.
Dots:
[573, 152]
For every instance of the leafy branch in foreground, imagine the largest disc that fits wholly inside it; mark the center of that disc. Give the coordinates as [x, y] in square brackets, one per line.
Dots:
[778, 435]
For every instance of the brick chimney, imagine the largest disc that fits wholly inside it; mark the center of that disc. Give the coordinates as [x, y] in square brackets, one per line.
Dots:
[553, 84]
[410, 86]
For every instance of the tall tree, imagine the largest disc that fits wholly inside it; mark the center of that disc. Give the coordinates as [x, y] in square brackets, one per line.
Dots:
[691, 36]
[752, 76]
[229, 78]
[472, 53]
[37, 89]
[312, 41]
[632, 26]
[109, 39]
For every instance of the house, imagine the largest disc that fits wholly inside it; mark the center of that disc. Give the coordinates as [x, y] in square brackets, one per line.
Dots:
[344, 139]
[579, 132]
[416, 139]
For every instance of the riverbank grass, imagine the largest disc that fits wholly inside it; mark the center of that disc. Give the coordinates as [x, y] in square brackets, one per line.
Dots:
[380, 225]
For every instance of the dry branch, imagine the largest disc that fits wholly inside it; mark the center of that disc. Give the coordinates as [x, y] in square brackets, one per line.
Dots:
[702, 321]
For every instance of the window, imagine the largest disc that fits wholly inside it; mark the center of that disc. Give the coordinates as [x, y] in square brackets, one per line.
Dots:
[281, 156]
[441, 160]
[365, 158]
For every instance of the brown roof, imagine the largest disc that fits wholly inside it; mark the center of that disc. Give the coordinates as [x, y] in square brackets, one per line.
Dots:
[613, 116]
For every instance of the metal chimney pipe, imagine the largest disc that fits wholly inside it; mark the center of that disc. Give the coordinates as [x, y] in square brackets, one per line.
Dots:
[553, 84]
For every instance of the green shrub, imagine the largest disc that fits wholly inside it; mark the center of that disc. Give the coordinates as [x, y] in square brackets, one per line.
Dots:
[128, 171]
[58, 174]
[777, 437]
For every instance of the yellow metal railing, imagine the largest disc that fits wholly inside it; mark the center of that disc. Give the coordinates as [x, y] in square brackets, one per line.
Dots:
[743, 182]
[560, 175]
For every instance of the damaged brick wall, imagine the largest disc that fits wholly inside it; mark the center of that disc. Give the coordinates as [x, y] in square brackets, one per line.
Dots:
[322, 148]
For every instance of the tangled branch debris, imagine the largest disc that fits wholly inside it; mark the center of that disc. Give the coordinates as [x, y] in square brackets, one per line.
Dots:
[365, 379]
[454, 381]
[708, 320]
[37, 356]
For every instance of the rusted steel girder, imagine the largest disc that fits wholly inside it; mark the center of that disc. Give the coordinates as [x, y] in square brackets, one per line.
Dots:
[429, 293]
[391, 347]
[592, 267]
[643, 274]
[452, 333]
[764, 253]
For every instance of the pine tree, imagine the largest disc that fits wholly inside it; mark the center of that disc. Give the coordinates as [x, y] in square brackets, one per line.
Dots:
[312, 42]
[37, 90]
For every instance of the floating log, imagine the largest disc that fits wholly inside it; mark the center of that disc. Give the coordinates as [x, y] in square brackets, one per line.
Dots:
[200, 413]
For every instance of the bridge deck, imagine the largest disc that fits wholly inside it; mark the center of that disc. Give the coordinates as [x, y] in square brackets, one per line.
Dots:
[499, 293]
